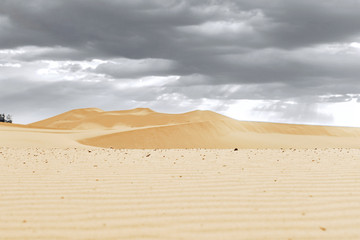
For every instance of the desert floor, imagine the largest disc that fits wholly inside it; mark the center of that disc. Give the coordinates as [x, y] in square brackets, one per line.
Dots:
[95, 193]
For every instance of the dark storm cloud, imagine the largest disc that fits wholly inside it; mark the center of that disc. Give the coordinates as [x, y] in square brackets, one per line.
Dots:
[224, 50]
[145, 29]
[126, 28]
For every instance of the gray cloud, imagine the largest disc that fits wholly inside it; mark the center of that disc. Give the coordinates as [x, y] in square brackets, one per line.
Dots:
[152, 29]
[131, 68]
[76, 53]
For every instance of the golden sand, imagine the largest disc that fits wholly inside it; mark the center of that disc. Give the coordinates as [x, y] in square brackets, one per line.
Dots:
[54, 193]
[52, 186]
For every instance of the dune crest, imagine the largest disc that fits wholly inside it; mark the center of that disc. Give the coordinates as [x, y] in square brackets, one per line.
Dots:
[92, 118]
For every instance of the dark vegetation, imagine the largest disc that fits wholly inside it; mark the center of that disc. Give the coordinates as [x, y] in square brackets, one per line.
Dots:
[7, 118]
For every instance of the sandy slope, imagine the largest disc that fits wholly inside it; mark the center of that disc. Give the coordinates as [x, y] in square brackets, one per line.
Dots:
[214, 134]
[56, 193]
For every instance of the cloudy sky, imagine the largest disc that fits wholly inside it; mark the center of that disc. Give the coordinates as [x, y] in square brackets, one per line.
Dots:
[279, 60]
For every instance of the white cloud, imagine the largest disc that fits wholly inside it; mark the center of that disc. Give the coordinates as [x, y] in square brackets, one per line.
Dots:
[11, 52]
[149, 81]
[33, 53]
[220, 27]
[10, 65]
[70, 70]
[355, 45]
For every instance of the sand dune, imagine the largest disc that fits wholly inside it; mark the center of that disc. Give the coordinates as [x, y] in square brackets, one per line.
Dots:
[213, 134]
[93, 118]
[144, 128]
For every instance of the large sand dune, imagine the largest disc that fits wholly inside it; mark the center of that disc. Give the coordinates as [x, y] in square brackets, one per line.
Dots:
[144, 128]
[93, 118]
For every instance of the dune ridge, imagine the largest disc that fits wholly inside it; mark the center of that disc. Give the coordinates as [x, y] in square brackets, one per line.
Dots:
[138, 117]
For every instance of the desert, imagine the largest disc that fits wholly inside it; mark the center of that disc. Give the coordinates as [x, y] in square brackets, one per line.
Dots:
[179, 120]
[140, 174]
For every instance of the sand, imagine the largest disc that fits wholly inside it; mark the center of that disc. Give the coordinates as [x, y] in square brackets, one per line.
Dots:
[61, 180]
[72, 193]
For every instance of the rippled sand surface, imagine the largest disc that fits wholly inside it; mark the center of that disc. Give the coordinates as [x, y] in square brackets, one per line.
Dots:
[94, 193]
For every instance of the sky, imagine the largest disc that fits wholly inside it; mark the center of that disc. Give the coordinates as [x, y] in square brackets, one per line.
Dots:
[259, 60]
